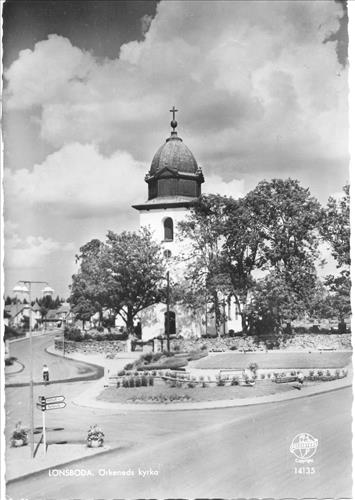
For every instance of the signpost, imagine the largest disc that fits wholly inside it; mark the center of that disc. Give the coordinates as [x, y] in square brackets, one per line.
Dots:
[44, 404]
[55, 399]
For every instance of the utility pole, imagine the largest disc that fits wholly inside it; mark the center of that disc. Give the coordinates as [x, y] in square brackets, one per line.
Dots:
[29, 283]
[168, 311]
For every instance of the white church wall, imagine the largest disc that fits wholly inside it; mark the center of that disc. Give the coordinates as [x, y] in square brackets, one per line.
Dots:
[154, 220]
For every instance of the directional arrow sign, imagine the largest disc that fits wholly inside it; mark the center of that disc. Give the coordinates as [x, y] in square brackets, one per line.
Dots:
[55, 406]
[55, 399]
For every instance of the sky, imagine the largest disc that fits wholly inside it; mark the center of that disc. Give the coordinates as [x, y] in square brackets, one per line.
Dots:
[261, 88]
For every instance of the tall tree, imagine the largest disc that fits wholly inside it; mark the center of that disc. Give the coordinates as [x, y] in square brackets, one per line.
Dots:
[133, 273]
[336, 227]
[88, 289]
[205, 276]
[336, 231]
[123, 274]
[288, 220]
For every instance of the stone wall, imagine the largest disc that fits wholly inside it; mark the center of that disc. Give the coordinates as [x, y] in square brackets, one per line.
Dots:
[298, 342]
[307, 342]
[90, 347]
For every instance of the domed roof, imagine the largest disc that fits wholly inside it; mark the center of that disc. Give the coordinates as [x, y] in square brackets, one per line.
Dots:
[47, 289]
[174, 155]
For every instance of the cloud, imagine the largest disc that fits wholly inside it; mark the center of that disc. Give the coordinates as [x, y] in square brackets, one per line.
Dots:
[256, 86]
[29, 252]
[78, 181]
[216, 185]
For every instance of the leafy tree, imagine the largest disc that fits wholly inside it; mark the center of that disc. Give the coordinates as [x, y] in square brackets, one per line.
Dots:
[284, 295]
[336, 231]
[288, 221]
[123, 274]
[336, 227]
[88, 289]
[205, 276]
[274, 227]
[133, 272]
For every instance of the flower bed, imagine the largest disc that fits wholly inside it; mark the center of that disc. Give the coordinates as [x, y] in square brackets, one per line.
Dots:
[194, 391]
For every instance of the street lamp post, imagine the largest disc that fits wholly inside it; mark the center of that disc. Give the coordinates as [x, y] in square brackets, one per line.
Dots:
[168, 311]
[29, 283]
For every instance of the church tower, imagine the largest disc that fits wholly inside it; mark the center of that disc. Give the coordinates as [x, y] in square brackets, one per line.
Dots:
[174, 185]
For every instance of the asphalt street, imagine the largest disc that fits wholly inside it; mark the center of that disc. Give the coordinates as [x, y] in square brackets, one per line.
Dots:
[231, 452]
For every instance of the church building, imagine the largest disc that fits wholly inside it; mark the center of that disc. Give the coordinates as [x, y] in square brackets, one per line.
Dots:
[174, 186]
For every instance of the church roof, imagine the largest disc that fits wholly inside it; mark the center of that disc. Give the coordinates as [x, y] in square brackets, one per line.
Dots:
[175, 156]
[174, 178]
[167, 201]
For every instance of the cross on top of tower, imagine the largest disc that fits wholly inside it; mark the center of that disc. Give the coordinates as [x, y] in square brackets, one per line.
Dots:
[173, 122]
[173, 111]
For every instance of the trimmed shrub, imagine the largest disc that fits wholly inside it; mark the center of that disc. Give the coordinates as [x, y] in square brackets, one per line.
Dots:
[121, 373]
[131, 382]
[253, 367]
[10, 361]
[118, 383]
[137, 381]
[151, 380]
[221, 382]
[191, 384]
[129, 366]
[235, 381]
[262, 376]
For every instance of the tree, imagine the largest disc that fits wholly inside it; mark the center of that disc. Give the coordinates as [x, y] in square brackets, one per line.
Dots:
[123, 274]
[205, 276]
[282, 296]
[274, 227]
[336, 227]
[133, 272]
[288, 220]
[89, 290]
[336, 231]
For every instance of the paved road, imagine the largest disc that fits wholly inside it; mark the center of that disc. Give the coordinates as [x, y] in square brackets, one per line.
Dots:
[59, 368]
[228, 453]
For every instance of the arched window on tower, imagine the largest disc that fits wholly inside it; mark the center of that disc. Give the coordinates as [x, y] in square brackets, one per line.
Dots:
[168, 229]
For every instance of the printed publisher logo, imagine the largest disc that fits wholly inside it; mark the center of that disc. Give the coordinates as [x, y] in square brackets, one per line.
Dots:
[304, 447]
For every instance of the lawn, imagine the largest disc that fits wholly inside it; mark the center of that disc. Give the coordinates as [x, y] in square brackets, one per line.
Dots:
[275, 360]
[144, 394]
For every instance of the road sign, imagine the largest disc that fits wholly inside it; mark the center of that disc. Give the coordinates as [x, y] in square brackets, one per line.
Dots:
[55, 399]
[55, 406]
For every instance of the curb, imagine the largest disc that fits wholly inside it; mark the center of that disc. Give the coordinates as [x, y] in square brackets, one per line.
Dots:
[112, 450]
[200, 406]
[22, 367]
[96, 375]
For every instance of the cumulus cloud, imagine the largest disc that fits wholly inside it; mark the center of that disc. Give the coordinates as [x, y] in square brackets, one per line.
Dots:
[256, 84]
[78, 181]
[29, 252]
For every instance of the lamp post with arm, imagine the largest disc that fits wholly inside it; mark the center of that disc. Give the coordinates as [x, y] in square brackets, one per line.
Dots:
[29, 284]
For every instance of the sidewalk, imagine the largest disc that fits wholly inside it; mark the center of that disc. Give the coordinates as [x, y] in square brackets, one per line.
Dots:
[19, 459]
